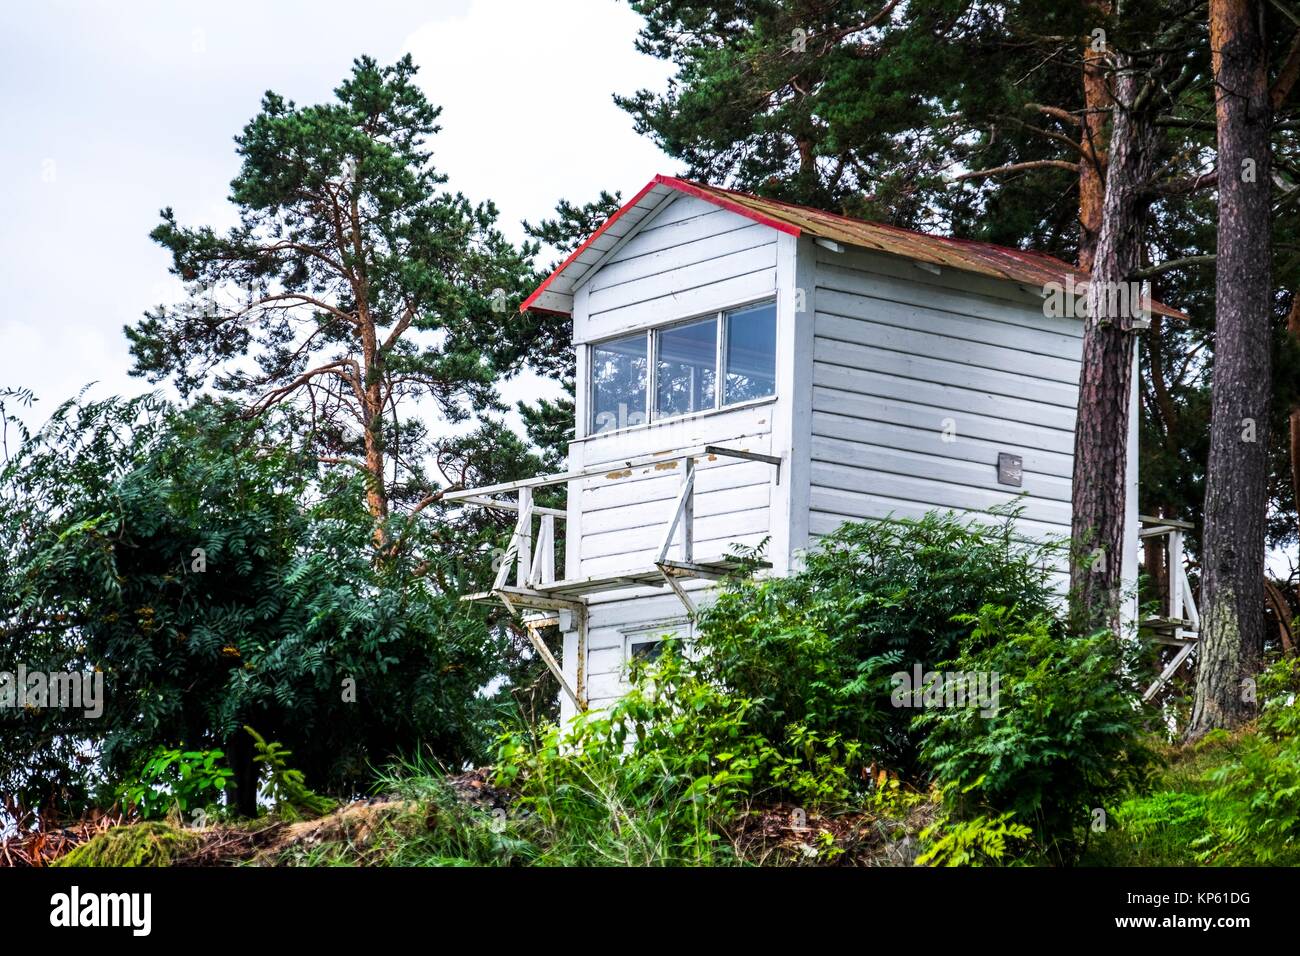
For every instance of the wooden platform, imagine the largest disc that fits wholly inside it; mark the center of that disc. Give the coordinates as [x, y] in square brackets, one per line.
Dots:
[568, 593]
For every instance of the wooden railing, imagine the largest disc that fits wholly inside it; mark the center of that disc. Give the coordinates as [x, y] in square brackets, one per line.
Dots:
[1181, 623]
[531, 558]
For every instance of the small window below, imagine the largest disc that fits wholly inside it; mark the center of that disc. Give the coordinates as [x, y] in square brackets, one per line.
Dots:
[646, 650]
[750, 367]
[618, 383]
[645, 643]
[686, 368]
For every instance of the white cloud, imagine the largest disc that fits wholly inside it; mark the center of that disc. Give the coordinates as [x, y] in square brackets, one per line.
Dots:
[528, 116]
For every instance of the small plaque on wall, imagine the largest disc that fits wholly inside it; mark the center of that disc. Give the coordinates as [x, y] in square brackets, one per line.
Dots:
[1011, 469]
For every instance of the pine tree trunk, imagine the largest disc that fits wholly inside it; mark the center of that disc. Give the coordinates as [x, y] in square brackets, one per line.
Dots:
[1236, 494]
[373, 426]
[1101, 432]
[1293, 329]
[1092, 140]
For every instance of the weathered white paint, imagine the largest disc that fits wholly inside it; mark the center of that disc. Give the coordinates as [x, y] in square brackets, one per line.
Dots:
[1132, 526]
[919, 383]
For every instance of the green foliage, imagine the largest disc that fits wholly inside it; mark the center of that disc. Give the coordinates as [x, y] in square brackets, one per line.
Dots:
[1066, 737]
[343, 219]
[288, 624]
[354, 286]
[140, 844]
[174, 779]
[285, 787]
[657, 778]
[817, 648]
[979, 841]
[1241, 805]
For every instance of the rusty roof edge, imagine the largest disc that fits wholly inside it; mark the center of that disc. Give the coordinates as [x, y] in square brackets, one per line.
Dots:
[999, 263]
[986, 253]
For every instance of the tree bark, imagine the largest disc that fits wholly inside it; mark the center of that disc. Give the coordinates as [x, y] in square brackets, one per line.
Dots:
[1236, 495]
[1293, 329]
[1101, 432]
[1092, 140]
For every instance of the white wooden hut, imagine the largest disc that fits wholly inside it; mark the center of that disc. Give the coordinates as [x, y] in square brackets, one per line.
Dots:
[751, 370]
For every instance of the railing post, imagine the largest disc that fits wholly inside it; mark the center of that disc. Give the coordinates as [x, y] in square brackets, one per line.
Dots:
[1176, 574]
[543, 569]
[524, 529]
[687, 527]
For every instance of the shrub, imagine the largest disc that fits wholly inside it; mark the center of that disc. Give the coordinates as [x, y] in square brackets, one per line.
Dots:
[175, 780]
[285, 787]
[657, 778]
[1065, 738]
[216, 580]
[817, 648]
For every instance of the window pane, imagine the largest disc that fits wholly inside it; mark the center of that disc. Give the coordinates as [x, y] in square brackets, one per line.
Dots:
[618, 383]
[687, 368]
[647, 650]
[751, 353]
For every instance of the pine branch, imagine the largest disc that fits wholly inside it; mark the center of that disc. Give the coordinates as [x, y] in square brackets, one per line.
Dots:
[1019, 167]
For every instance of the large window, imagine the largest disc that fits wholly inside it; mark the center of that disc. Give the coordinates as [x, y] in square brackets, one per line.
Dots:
[708, 363]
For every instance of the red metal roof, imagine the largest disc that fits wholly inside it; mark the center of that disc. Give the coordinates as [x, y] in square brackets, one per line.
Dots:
[982, 258]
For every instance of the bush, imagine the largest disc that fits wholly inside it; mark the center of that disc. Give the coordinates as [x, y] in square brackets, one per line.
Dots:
[817, 648]
[1065, 738]
[174, 780]
[658, 777]
[216, 580]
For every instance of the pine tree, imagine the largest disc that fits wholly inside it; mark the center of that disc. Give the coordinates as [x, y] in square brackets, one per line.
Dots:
[1236, 495]
[353, 284]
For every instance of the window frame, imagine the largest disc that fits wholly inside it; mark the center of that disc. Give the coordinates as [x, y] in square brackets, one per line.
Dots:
[655, 632]
[652, 333]
[589, 390]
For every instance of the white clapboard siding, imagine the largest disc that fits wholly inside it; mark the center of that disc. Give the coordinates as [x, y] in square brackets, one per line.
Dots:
[831, 508]
[945, 369]
[624, 269]
[690, 259]
[719, 475]
[918, 385]
[624, 520]
[682, 278]
[1049, 343]
[1051, 449]
[937, 344]
[868, 450]
[608, 630]
[910, 429]
[946, 397]
[897, 280]
[643, 513]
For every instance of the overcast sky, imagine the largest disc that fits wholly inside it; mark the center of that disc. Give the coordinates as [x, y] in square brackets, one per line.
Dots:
[115, 110]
